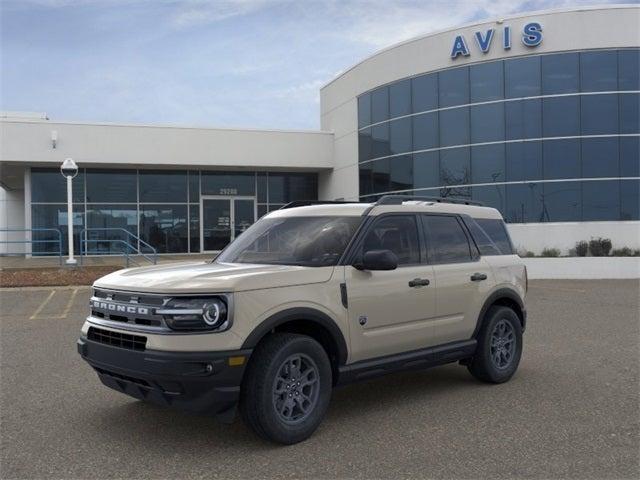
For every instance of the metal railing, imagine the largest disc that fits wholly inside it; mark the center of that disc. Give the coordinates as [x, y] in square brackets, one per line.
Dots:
[131, 245]
[31, 241]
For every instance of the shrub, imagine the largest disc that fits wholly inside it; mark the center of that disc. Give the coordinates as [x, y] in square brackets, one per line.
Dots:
[636, 253]
[550, 252]
[624, 252]
[582, 248]
[600, 247]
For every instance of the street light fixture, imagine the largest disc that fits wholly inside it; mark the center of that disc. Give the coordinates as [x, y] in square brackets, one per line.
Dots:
[69, 169]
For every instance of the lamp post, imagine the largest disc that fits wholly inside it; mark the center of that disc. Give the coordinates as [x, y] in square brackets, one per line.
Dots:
[69, 169]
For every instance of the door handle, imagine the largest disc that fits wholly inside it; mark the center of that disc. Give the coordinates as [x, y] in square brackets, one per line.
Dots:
[477, 277]
[419, 282]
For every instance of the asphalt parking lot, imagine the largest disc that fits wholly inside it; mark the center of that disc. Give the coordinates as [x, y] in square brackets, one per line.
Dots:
[571, 411]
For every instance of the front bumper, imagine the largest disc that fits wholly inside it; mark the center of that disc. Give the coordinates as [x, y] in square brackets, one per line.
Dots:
[200, 382]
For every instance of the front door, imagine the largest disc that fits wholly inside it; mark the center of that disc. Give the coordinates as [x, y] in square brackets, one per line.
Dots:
[222, 219]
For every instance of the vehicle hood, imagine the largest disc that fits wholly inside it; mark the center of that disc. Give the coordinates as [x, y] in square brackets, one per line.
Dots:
[204, 277]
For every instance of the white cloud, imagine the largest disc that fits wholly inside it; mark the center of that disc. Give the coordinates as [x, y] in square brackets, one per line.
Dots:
[190, 13]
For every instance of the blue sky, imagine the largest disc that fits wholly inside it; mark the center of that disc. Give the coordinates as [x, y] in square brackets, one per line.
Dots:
[242, 63]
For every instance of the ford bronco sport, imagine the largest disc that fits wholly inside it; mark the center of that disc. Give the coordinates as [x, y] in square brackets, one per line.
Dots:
[308, 298]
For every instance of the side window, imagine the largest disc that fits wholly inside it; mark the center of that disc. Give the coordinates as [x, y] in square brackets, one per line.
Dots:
[497, 232]
[485, 244]
[397, 233]
[447, 241]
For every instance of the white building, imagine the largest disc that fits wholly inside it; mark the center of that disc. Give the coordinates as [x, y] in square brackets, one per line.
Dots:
[535, 114]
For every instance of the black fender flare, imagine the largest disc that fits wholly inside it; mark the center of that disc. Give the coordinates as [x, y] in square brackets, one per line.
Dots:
[495, 297]
[300, 313]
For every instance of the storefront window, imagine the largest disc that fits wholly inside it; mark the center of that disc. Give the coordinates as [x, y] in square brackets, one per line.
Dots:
[163, 186]
[228, 183]
[49, 186]
[165, 227]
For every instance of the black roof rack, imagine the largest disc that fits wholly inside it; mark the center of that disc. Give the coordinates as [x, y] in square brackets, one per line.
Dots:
[306, 203]
[398, 199]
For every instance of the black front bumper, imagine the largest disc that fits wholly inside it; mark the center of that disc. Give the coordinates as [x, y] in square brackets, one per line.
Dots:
[200, 382]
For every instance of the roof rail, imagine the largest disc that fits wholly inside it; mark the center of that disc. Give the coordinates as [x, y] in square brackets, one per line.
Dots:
[306, 203]
[398, 199]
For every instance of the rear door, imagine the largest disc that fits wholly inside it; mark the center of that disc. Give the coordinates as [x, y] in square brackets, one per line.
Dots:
[391, 311]
[462, 277]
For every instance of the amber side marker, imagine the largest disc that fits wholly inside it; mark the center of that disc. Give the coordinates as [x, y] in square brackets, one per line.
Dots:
[236, 361]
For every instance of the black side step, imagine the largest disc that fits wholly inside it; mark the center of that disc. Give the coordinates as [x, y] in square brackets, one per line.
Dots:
[416, 359]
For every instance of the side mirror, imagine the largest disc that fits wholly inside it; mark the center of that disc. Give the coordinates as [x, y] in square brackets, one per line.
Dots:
[378, 260]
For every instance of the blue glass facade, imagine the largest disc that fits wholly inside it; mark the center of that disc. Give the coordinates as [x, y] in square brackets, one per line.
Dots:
[543, 138]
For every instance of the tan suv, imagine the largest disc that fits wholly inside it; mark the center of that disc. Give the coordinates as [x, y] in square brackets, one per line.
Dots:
[308, 298]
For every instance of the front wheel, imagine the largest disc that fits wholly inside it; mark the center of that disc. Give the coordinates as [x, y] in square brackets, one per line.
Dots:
[287, 387]
[499, 346]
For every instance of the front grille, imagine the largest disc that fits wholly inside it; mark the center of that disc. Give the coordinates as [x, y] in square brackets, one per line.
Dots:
[126, 378]
[117, 339]
[128, 308]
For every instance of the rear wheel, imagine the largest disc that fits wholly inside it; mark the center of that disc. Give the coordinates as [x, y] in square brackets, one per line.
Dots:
[499, 346]
[287, 387]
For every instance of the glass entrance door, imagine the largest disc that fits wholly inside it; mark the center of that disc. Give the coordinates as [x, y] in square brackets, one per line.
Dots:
[222, 219]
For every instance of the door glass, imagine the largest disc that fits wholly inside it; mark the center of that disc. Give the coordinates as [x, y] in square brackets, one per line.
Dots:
[243, 216]
[398, 234]
[447, 240]
[216, 224]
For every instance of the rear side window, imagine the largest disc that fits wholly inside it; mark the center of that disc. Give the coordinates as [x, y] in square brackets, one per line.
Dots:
[497, 232]
[397, 233]
[446, 239]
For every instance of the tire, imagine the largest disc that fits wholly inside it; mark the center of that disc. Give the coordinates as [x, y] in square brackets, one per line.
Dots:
[499, 346]
[278, 406]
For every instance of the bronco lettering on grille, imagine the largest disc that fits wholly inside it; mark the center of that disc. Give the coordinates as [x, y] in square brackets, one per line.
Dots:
[116, 307]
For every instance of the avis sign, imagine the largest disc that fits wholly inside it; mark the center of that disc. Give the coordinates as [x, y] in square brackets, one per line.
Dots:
[531, 37]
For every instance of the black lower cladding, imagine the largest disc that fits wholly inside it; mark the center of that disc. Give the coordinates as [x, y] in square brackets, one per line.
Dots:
[200, 382]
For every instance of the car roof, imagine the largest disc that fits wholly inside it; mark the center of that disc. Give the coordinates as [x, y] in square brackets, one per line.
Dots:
[414, 206]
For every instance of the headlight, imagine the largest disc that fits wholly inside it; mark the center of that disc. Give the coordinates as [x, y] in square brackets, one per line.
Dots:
[196, 313]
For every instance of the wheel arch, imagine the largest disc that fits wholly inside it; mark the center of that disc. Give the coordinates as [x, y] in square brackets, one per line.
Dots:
[307, 321]
[503, 297]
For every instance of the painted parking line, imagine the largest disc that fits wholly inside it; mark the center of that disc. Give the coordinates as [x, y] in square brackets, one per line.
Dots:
[65, 312]
[42, 305]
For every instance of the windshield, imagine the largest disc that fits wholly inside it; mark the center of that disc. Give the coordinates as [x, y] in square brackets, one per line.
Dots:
[306, 241]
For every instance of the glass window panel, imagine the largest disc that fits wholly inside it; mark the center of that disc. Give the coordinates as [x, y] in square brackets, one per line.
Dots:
[600, 157]
[524, 203]
[453, 87]
[275, 206]
[194, 228]
[380, 173]
[448, 242]
[49, 186]
[630, 156]
[425, 131]
[463, 193]
[400, 98]
[261, 185]
[165, 227]
[112, 186]
[380, 141]
[454, 127]
[522, 77]
[401, 174]
[380, 105]
[601, 200]
[523, 119]
[228, 183]
[364, 110]
[397, 233]
[487, 81]
[262, 210]
[599, 114]
[400, 135]
[112, 220]
[561, 116]
[629, 70]
[491, 196]
[455, 167]
[194, 186]
[366, 178]
[561, 159]
[53, 216]
[365, 145]
[487, 123]
[289, 187]
[487, 164]
[560, 73]
[497, 232]
[599, 71]
[562, 202]
[630, 199]
[163, 186]
[629, 113]
[426, 169]
[424, 92]
[523, 161]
